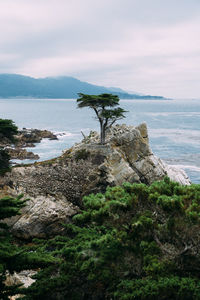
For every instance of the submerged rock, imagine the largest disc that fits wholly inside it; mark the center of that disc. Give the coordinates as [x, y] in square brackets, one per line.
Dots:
[56, 187]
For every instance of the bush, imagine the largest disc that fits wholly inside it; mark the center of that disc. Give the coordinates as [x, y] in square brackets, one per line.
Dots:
[82, 154]
[8, 129]
[4, 161]
[13, 256]
[133, 242]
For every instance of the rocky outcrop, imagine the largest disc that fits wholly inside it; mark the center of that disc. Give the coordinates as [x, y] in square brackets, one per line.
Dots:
[127, 156]
[22, 278]
[28, 137]
[56, 187]
[19, 153]
[42, 217]
[25, 138]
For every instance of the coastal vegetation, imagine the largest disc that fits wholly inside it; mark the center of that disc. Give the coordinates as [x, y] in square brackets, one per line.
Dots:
[129, 241]
[13, 255]
[132, 242]
[103, 106]
[8, 130]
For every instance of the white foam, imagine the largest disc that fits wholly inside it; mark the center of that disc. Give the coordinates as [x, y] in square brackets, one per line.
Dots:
[177, 135]
[61, 134]
[166, 114]
[191, 167]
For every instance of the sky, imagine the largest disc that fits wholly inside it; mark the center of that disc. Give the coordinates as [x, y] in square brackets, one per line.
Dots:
[147, 46]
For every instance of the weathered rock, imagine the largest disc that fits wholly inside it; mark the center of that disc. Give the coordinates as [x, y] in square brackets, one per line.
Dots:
[127, 156]
[42, 217]
[56, 187]
[19, 153]
[22, 278]
[25, 138]
[28, 137]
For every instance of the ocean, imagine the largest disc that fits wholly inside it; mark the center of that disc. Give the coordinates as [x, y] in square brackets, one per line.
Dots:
[173, 126]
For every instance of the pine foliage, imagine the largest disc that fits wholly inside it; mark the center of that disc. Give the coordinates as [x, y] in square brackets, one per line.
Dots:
[13, 256]
[133, 242]
[104, 106]
[8, 130]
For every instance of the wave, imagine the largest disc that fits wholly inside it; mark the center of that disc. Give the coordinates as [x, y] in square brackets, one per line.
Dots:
[166, 114]
[61, 134]
[190, 167]
[177, 135]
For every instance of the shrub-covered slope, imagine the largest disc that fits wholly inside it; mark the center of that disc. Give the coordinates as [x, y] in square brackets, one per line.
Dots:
[133, 242]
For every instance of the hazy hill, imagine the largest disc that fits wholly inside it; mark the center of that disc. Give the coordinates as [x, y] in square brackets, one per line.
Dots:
[13, 85]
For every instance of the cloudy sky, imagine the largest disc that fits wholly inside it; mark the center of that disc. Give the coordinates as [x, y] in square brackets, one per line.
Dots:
[149, 46]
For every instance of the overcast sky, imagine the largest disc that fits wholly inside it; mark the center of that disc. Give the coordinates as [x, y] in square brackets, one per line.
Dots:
[149, 46]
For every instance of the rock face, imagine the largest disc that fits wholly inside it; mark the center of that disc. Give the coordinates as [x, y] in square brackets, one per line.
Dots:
[127, 156]
[42, 217]
[56, 187]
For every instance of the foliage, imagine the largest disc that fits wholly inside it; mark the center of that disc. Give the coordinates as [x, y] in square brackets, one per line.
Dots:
[8, 129]
[133, 242]
[4, 161]
[82, 154]
[172, 287]
[12, 256]
[103, 107]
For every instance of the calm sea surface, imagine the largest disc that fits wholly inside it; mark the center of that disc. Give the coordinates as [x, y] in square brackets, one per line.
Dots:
[174, 126]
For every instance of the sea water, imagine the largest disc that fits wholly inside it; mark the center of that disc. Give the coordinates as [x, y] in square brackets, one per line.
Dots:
[173, 126]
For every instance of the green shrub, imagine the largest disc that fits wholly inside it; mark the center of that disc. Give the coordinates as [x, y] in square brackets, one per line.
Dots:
[82, 154]
[4, 161]
[133, 242]
[8, 129]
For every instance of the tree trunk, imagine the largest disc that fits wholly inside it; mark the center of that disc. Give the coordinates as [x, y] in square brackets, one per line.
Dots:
[102, 139]
[102, 133]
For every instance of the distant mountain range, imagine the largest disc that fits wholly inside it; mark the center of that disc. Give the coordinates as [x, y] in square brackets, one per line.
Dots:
[13, 85]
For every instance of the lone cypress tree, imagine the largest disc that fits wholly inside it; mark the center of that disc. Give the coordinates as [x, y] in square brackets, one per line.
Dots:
[103, 106]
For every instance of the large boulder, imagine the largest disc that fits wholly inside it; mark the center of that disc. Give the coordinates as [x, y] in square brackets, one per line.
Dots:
[43, 216]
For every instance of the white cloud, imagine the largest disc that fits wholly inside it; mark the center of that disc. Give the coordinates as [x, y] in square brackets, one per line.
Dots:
[150, 47]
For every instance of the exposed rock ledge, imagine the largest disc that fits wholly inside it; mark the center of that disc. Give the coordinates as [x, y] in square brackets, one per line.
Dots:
[56, 187]
[20, 153]
[26, 138]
